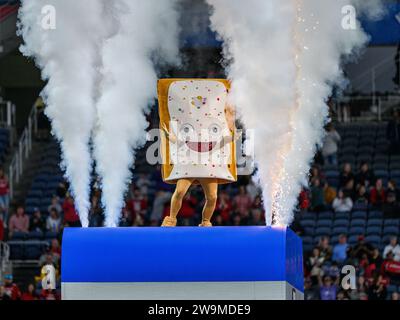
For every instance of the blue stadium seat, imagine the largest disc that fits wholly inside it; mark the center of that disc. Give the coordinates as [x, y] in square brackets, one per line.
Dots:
[326, 215]
[33, 249]
[374, 230]
[394, 230]
[353, 239]
[35, 235]
[360, 207]
[19, 236]
[383, 174]
[339, 230]
[307, 223]
[307, 240]
[391, 222]
[374, 240]
[309, 231]
[324, 223]
[356, 231]
[50, 235]
[375, 215]
[16, 250]
[358, 223]
[341, 223]
[359, 215]
[375, 222]
[342, 215]
[322, 231]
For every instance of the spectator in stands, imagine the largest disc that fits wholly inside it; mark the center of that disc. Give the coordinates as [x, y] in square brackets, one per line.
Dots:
[316, 173]
[4, 195]
[317, 196]
[365, 176]
[161, 198]
[242, 202]
[71, 218]
[314, 265]
[304, 200]
[340, 250]
[342, 295]
[391, 268]
[395, 296]
[37, 222]
[361, 198]
[53, 221]
[325, 248]
[393, 247]
[328, 289]
[253, 190]
[376, 258]
[30, 293]
[349, 189]
[377, 195]
[362, 248]
[257, 217]
[137, 205]
[342, 203]
[330, 146]
[62, 190]
[188, 209]
[329, 193]
[393, 133]
[346, 175]
[143, 183]
[392, 187]
[224, 206]
[126, 218]
[96, 217]
[55, 250]
[19, 222]
[391, 209]
[310, 291]
[11, 290]
[55, 204]
[377, 290]
[1, 229]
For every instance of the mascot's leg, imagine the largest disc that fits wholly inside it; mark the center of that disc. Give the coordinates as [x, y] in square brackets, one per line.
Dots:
[182, 187]
[210, 187]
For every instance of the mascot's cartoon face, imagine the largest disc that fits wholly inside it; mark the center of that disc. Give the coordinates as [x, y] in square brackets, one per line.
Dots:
[196, 115]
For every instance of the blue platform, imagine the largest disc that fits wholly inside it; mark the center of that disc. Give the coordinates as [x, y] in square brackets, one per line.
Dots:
[180, 255]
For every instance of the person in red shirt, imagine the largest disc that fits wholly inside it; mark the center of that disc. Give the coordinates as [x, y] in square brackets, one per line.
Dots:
[70, 216]
[224, 206]
[188, 211]
[377, 195]
[137, 205]
[11, 290]
[4, 194]
[29, 294]
[242, 202]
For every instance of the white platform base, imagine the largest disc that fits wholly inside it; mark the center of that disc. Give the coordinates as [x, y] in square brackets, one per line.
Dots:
[259, 290]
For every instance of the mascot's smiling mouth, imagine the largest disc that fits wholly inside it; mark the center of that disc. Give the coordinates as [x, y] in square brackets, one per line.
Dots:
[201, 146]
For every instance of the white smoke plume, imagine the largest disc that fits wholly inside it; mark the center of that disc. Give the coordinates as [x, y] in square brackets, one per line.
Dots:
[146, 31]
[67, 55]
[284, 58]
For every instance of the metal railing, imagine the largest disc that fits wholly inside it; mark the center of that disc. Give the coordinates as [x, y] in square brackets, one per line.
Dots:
[366, 107]
[16, 167]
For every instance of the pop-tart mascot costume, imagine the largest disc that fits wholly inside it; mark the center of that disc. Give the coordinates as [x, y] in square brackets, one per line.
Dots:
[197, 141]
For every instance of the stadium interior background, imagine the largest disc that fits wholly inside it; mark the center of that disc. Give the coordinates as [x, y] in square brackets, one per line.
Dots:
[349, 214]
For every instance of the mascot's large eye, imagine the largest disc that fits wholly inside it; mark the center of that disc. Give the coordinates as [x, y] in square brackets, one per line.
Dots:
[214, 129]
[187, 129]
